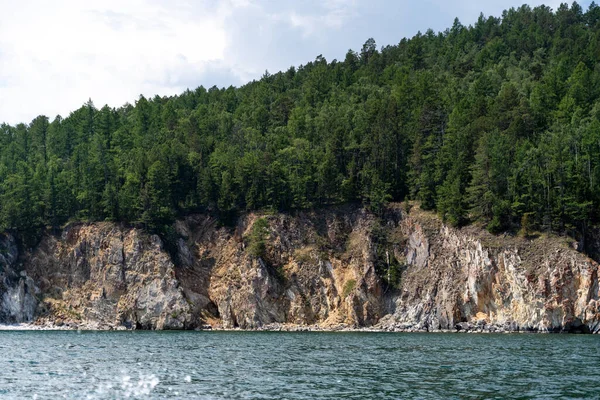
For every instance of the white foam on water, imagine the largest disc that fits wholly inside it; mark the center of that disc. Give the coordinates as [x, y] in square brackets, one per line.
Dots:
[143, 387]
[127, 388]
[17, 327]
[29, 327]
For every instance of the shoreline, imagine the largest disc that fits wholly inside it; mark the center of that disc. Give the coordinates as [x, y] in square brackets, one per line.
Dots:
[24, 327]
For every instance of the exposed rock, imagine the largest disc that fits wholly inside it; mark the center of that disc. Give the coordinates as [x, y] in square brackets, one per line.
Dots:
[18, 300]
[107, 275]
[319, 270]
[469, 276]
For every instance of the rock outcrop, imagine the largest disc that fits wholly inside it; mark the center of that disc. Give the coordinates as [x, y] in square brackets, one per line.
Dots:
[104, 276]
[317, 269]
[328, 269]
[471, 280]
[18, 300]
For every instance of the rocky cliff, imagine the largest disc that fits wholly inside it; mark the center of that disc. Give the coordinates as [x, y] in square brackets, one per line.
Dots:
[18, 293]
[471, 280]
[329, 269]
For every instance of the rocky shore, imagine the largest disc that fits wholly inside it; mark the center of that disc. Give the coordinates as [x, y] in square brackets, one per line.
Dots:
[336, 269]
[463, 327]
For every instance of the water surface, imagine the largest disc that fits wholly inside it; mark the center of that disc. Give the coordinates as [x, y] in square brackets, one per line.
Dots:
[266, 365]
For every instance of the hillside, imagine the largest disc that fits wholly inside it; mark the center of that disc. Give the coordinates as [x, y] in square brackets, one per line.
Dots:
[497, 122]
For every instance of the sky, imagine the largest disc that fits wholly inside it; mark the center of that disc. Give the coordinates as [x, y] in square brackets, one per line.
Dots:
[55, 55]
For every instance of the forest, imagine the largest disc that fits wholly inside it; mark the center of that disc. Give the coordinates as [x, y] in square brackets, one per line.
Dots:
[496, 123]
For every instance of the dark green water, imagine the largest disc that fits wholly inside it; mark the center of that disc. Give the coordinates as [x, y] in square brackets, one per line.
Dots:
[240, 365]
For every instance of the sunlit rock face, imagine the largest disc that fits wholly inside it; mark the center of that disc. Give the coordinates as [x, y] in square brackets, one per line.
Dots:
[471, 280]
[317, 268]
[106, 275]
[324, 269]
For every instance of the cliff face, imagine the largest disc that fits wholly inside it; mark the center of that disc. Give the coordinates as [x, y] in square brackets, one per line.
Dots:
[468, 279]
[104, 275]
[18, 300]
[316, 268]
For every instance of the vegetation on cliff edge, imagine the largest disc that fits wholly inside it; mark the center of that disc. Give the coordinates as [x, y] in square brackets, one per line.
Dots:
[496, 122]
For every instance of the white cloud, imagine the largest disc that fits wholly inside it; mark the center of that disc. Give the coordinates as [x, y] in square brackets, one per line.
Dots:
[54, 55]
[335, 14]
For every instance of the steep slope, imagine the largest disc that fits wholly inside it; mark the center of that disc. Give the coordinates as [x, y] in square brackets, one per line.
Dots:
[105, 275]
[472, 280]
[325, 269]
[18, 301]
[317, 269]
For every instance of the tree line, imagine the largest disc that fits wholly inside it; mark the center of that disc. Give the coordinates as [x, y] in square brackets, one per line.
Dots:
[496, 123]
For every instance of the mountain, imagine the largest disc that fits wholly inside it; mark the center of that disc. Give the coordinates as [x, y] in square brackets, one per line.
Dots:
[277, 202]
[496, 123]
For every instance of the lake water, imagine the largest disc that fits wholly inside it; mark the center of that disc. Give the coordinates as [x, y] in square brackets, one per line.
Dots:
[255, 365]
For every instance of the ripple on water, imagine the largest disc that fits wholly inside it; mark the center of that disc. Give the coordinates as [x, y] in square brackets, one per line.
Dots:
[240, 365]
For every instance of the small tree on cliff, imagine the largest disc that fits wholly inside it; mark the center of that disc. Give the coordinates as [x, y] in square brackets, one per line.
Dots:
[257, 238]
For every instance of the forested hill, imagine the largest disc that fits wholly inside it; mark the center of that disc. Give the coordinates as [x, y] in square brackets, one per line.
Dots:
[498, 122]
